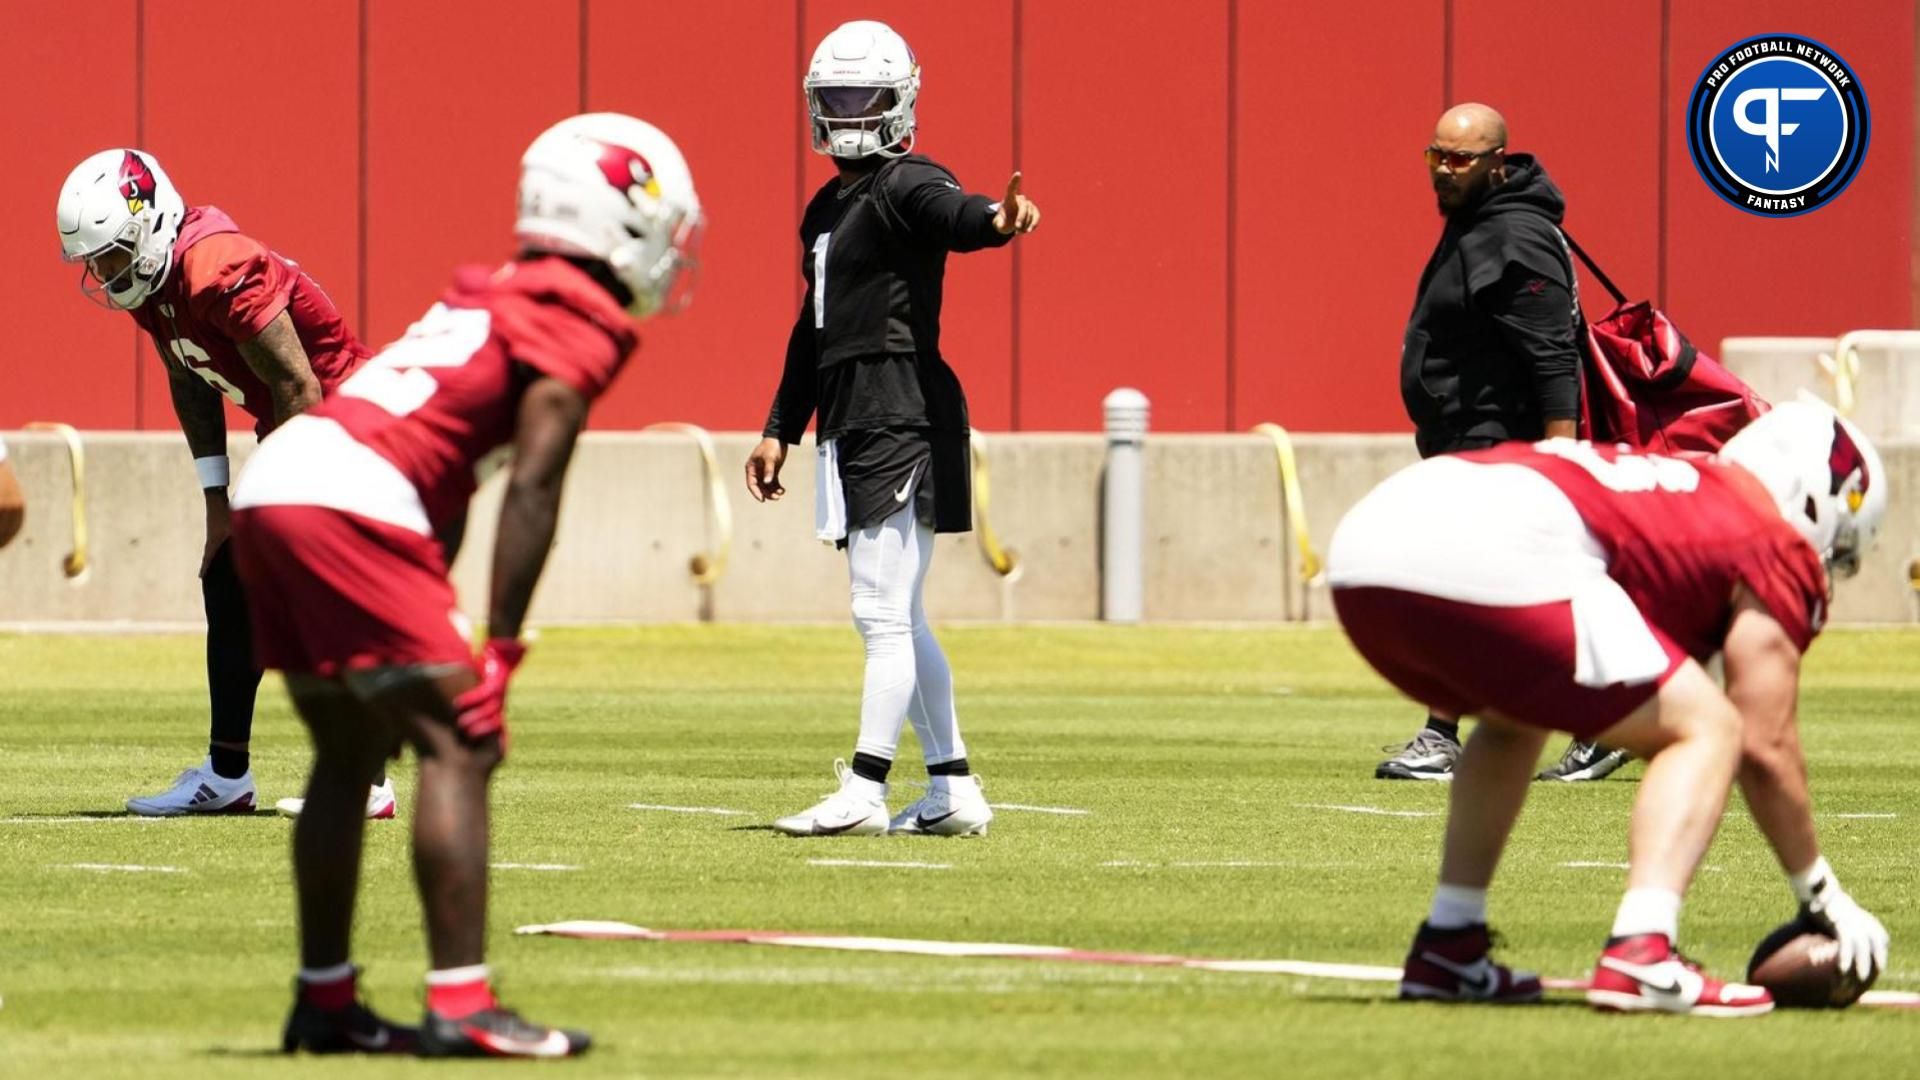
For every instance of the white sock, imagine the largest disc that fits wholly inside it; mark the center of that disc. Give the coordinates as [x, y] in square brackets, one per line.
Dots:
[963, 786]
[322, 976]
[880, 566]
[935, 723]
[865, 788]
[1648, 911]
[1456, 907]
[456, 976]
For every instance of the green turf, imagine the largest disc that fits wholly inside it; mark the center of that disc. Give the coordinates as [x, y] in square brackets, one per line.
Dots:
[1188, 746]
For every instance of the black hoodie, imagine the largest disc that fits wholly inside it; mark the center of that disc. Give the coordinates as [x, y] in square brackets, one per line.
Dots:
[1491, 351]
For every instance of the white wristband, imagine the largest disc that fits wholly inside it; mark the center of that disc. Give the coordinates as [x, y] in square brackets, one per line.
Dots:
[3, 449]
[1810, 883]
[212, 470]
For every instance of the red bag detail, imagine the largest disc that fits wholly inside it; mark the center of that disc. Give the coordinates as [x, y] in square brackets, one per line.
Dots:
[1648, 387]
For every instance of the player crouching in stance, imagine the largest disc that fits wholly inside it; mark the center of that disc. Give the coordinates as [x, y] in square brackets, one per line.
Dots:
[345, 524]
[1583, 594]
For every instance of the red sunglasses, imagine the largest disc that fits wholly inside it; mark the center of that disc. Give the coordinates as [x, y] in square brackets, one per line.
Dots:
[1457, 160]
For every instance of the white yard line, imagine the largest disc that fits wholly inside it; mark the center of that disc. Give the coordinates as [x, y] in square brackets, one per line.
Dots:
[1583, 865]
[1865, 817]
[552, 867]
[1367, 810]
[79, 820]
[123, 868]
[721, 810]
[880, 863]
[1040, 809]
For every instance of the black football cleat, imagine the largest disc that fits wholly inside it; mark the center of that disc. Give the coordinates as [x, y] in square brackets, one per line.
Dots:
[355, 1029]
[1430, 756]
[497, 1032]
[1585, 761]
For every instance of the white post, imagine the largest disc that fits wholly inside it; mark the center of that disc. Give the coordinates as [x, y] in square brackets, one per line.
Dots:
[1124, 508]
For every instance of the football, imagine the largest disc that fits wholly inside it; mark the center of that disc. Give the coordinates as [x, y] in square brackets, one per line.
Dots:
[1800, 967]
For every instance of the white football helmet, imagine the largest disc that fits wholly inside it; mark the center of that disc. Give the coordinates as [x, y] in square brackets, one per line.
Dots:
[119, 216]
[1824, 475]
[609, 187]
[861, 87]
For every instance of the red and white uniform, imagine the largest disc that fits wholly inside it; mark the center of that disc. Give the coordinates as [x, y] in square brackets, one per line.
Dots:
[224, 288]
[336, 515]
[1560, 584]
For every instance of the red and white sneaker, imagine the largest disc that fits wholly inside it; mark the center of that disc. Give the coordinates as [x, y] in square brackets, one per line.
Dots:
[1453, 965]
[1643, 973]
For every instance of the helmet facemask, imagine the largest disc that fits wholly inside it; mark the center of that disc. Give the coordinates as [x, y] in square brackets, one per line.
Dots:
[861, 120]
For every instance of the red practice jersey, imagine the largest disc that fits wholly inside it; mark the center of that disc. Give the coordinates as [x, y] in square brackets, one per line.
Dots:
[223, 289]
[1679, 534]
[447, 395]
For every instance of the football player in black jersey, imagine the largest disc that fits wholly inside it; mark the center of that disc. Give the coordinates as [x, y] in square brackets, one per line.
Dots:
[892, 463]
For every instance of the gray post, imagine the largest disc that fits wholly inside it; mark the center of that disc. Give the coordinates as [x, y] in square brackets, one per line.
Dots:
[1124, 509]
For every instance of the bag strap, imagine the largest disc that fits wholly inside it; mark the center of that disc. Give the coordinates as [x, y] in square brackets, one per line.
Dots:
[1618, 296]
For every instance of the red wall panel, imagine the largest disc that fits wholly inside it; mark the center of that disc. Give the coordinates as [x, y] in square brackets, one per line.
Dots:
[1334, 213]
[456, 89]
[1845, 266]
[1122, 128]
[1124, 123]
[718, 363]
[282, 156]
[1581, 91]
[65, 359]
[966, 123]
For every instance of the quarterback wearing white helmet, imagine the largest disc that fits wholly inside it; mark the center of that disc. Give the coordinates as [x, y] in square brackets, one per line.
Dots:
[861, 87]
[892, 430]
[347, 519]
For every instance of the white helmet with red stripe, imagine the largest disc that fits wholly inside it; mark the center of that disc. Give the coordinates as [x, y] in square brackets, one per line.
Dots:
[1823, 474]
[119, 216]
[609, 187]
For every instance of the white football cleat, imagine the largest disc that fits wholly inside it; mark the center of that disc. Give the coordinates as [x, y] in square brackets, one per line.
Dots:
[380, 803]
[199, 790]
[952, 806]
[859, 808]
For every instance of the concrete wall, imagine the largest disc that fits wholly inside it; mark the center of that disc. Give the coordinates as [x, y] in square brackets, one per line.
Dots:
[1218, 546]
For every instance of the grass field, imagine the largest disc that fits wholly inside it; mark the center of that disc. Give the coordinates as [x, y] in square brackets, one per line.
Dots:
[1220, 749]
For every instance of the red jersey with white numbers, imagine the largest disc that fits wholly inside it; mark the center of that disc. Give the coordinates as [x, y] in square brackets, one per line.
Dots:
[447, 395]
[224, 288]
[1680, 534]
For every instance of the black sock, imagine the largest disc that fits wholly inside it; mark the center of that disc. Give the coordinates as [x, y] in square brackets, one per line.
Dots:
[1449, 728]
[232, 678]
[956, 767]
[869, 767]
[228, 764]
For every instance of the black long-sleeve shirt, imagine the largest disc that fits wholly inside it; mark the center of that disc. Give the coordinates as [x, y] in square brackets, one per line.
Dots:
[865, 350]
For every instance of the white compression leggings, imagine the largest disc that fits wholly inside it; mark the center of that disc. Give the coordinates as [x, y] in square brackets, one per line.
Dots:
[907, 674]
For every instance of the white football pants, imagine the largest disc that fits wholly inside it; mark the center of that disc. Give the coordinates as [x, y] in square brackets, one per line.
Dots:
[907, 674]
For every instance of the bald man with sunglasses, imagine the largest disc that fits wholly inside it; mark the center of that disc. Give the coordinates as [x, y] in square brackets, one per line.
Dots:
[1491, 350]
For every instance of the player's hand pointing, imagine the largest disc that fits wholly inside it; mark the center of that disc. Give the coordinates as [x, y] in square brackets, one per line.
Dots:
[1017, 213]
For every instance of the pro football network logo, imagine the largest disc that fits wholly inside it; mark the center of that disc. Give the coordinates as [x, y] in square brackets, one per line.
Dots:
[1778, 125]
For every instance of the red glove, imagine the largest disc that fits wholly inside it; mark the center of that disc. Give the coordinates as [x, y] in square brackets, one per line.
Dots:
[482, 711]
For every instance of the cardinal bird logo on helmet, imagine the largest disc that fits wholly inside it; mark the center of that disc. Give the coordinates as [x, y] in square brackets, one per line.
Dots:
[136, 182]
[625, 169]
[1844, 460]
